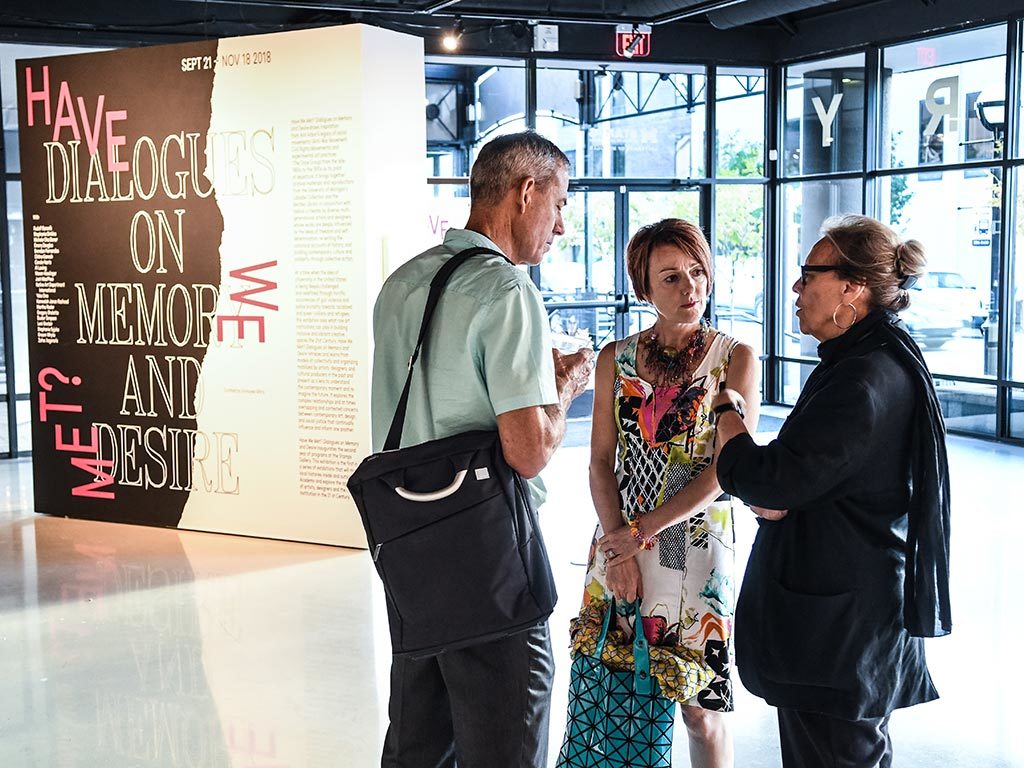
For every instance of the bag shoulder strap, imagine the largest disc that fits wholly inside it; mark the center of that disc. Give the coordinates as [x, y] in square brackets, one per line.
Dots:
[394, 439]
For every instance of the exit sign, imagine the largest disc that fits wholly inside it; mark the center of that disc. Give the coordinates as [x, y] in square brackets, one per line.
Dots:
[632, 41]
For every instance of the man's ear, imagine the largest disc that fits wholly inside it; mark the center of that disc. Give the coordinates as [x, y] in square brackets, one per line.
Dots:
[525, 192]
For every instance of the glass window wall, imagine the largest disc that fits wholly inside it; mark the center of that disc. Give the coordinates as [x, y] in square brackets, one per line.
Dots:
[1018, 144]
[499, 100]
[942, 102]
[967, 406]
[625, 120]
[740, 122]
[4, 373]
[1016, 324]
[23, 410]
[561, 110]
[581, 263]
[953, 309]
[647, 124]
[824, 113]
[739, 263]
[19, 302]
[468, 101]
[9, 120]
[445, 101]
[944, 99]
[939, 106]
[939, 101]
[1017, 413]
[805, 207]
[649, 207]
[793, 377]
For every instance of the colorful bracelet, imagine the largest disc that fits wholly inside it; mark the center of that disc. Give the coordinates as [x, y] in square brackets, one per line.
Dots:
[642, 541]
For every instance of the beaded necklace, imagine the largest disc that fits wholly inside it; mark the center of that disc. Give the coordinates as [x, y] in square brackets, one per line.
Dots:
[667, 365]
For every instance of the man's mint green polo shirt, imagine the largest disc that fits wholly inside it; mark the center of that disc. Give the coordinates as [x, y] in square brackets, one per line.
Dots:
[488, 350]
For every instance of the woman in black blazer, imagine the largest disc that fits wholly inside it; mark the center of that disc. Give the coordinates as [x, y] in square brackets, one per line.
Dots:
[849, 569]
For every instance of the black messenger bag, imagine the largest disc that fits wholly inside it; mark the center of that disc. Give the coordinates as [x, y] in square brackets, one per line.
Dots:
[452, 530]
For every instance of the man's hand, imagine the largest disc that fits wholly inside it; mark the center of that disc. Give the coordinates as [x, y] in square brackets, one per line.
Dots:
[572, 373]
[529, 436]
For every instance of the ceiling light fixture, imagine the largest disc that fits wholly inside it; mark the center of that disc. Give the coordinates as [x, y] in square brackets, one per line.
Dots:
[451, 39]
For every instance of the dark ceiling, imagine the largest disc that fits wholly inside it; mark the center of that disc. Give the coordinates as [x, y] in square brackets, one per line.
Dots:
[719, 30]
[720, 13]
[196, 16]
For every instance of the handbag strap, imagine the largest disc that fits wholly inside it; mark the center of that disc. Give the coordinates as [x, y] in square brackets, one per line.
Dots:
[643, 682]
[394, 438]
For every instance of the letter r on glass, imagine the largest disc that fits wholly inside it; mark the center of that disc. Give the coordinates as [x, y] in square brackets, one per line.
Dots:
[947, 109]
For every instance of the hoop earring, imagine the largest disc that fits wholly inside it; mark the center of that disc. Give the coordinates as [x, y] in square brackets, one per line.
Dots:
[836, 311]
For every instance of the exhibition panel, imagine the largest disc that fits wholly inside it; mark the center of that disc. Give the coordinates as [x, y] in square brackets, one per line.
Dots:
[203, 257]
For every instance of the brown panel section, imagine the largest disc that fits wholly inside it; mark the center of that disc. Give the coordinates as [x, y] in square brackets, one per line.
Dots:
[162, 94]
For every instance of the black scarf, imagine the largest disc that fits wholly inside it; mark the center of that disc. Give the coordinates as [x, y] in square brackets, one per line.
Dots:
[926, 609]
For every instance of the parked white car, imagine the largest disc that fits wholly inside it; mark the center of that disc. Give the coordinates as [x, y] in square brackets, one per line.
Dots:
[941, 304]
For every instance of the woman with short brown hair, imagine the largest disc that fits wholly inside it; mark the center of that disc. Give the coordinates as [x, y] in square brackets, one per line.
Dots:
[666, 535]
[679, 233]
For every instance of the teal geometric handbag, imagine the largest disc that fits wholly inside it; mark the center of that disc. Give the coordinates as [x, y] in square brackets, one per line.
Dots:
[617, 719]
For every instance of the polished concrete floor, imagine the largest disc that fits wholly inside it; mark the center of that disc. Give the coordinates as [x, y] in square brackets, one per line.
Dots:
[128, 647]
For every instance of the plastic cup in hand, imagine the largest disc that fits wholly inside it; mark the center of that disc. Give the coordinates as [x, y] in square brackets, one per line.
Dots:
[567, 344]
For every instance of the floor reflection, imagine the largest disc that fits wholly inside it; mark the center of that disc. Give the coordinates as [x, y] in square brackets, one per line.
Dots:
[131, 647]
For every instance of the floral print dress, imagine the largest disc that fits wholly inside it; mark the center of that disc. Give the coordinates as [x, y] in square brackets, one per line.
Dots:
[665, 440]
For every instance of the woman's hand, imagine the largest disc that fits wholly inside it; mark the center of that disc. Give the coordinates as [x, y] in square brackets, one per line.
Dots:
[769, 514]
[623, 579]
[726, 395]
[727, 427]
[619, 545]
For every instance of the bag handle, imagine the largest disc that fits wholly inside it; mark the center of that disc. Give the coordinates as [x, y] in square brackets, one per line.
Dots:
[394, 439]
[443, 493]
[643, 682]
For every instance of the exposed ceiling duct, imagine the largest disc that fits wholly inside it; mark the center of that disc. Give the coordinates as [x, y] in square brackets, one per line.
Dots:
[758, 10]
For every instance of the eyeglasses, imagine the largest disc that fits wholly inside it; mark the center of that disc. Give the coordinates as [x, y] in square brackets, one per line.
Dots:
[805, 270]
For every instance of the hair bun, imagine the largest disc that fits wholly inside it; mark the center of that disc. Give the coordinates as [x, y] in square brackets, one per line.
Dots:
[908, 263]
